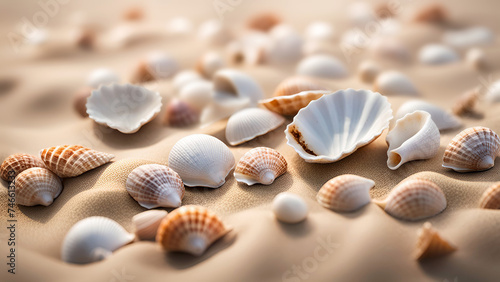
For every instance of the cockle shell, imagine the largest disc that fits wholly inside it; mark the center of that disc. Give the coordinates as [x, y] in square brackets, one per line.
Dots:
[493, 92]
[146, 223]
[414, 199]
[123, 107]
[491, 197]
[209, 63]
[73, 160]
[17, 163]
[443, 119]
[465, 104]
[185, 77]
[197, 93]
[201, 160]
[213, 32]
[238, 84]
[469, 37]
[260, 165]
[263, 21]
[437, 54]
[93, 239]
[155, 66]
[154, 185]
[102, 76]
[322, 66]
[476, 58]
[473, 149]
[191, 229]
[180, 113]
[430, 244]
[368, 71]
[291, 104]
[80, 101]
[37, 186]
[394, 83]
[337, 124]
[289, 208]
[297, 84]
[247, 124]
[345, 193]
[433, 13]
[415, 137]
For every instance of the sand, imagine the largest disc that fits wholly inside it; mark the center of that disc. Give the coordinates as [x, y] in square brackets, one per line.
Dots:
[368, 245]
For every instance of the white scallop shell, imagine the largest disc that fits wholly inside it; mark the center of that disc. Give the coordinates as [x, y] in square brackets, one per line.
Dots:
[443, 119]
[93, 239]
[123, 107]
[214, 32]
[102, 76]
[146, 223]
[394, 83]
[201, 160]
[184, 78]
[197, 93]
[322, 66]
[493, 92]
[284, 46]
[436, 54]
[289, 208]
[469, 37]
[249, 123]
[336, 125]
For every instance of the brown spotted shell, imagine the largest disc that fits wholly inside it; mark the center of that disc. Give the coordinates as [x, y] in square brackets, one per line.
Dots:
[17, 163]
[260, 165]
[345, 193]
[430, 244]
[291, 104]
[491, 197]
[37, 186]
[297, 84]
[179, 114]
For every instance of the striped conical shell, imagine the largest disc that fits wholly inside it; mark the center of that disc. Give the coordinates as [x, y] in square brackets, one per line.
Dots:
[191, 229]
[491, 197]
[154, 185]
[73, 160]
[345, 193]
[179, 113]
[260, 165]
[146, 223]
[297, 84]
[37, 186]
[291, 104]
[430, 244]
[17, 163]
[473, 149]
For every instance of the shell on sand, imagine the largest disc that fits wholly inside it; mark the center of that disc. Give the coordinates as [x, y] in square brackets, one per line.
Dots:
[289, 208]
[260, 165]
[291, 104]
[37, 186]
[296, 84]
[430, 244]
[491, 197]
[17, 163]
[345, 193]
[146, 223]
[247, 124]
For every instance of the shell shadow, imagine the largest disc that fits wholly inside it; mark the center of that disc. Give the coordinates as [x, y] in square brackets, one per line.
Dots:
[300, 229]
[262, 192]
[209, 195]
[7, 85]
[149, 134]
[449, 268]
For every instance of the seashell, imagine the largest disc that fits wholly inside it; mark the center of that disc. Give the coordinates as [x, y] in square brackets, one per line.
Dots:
[368, 71]
[320, 31]
[415, 137]
[155, 66]
[473, 149]
[321, 66]
[209, 63]
[180, 113]
[84, 38]
[190, 229]
[289, 208]
[493, 92]
[201, 160]
[290, 105]
[263, 21]
[102, 76]
[345, 193]
[237, 83]
[465, 104]
[73, 160]
[469, 37]
[394, 83]
[491, 197]
[284, 46]
[146, 223]
[133, 14]
[441, 118]
[154, 185]
[110, 104]
[361, 13]
[476, 58]
[388, 48]
[297, 84]
[260, 165]
[184, 78]
[93, 239]
[37, 186]
[250, 53]
[414, 199]
[213, 32]
[179, 26]
[222, 106]
[437, 54]
[80, 101]
[247, 124]
[433, 13]
[430, 244]
[336, 125]
[198, 94]
[17, 163]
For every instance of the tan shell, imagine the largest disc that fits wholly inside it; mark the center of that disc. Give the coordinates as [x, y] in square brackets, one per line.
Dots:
[191, 229]
[345, 193]
[180, 114]
[291, 104]
[433, 13]
[17, 163]
[263, 21]
[260, 165]
[414, 199]
[80, 101]
[430, 244]
[73, 160]
[491, 197]
[473, 149]
[297, 84]
[37, 186]
[465, 104]
[146, 223]
[368, 71]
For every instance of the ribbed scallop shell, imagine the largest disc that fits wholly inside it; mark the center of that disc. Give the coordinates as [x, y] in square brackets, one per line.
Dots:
[179, 114]
[73, 160]
[247, 124]
[146, 223]
[336, 125]
[17, 163]
[291, 104]
[414, 199]
[296, 84]
[430, 244]
[191, 229]
[473, 149]
[322, 66]
[154, 185]
[394, 83]
[345, 193]
[37, 186]
[443, 119]
[201, 160]
[93, 239]
[491, 197]
[437, 54]
[260, 165]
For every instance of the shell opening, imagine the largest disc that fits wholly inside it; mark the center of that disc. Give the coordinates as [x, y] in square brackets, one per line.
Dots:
[267, 177]
[395, 160]
[197, 245]
[46, 199]
[486, 162]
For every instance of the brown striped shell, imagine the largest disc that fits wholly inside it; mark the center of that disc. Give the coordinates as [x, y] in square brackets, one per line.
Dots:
[430, 244]
[17, 163]
[297, 84]
[180, 113]
[345, 193]
[491, 197]
[260, 165]
[146, 223]
[37, 186]
[291, 104]
[73, 160]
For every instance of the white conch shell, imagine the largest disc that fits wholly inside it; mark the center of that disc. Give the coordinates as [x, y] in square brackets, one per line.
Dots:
[345, 193]
[260, 165]
[37, 186]
[469, 37]
[247, 124]
[337, 124]
[93, 239]
[415, 137]
[493, 92]
[185, 77]
[201, 160]
[394, 83]
[321, 66]
[290, 208]
[123, 107]
[436, 54]
[476, 58]
[146, 223]
[443, 119]
[291, 104]
[102, 76]
[197, 93]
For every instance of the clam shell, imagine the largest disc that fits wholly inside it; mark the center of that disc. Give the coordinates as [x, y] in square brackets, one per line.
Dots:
[465, 104]
[247, 124]
[213, 32]
[197, 93]
[296, 84]
[17, 163]
[443, 119]
[154, 185]
[190, 229]
[368, 71]
[322, 66]
[345, 193]
[437, 54]
[102, 76]
[185, 77]
[476, 58]
[80, 101]
[238, 84]
[73, 160]
[93, 239]
[430, 244]
[414, 199]
[209, 63]
[289, 208]
[37, 186]
[123, 107]
[263, 21]
[491, 197]
[473, 149]
[201, 160]
[180, 113]
[336, 125]
[469, 37]
[415, 137]
[394, 83]
[146, 223]
[290, 105]
[156, 66]
[433, 13]
[260, 165]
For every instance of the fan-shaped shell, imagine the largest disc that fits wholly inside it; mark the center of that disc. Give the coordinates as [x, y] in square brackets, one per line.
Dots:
[237, 83]
[491, 197]
[249, 123]
[17, 163]
[430, 244]
[180, 113]
[290, 208]
[154, 185]
[336, 125]
[443, 119]
[296, 84]
[290, 105]
[191, 229]
[197, 93]
[345, 193]
[123, 107]
[102, 76]
[394, 83]
[437, 54]
[37, 186]
[201, 160]
[473, 149]
[260, 165]
[73, 160]
[93, 239]
[322, 66]
[146, 223]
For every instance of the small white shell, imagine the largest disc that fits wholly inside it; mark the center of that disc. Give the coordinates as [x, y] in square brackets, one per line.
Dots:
[146, 223]
[197, 93]
[436, 54]
[180, 114]
[237, 83]
[102, 76]
[320, 31]
[247, 124]
[179, 26]
[184, 78]
[289, 208]
[368, 71]
[322, 66]
[209, 63]
[394, 83]
[443, 119]
[284, 46]
[213, 32]
[493, 92]
[476, 58]
[469, 37]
